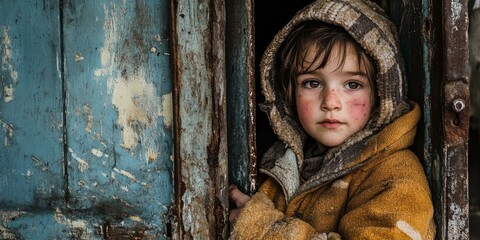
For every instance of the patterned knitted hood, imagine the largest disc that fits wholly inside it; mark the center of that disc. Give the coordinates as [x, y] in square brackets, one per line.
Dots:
[368, 25]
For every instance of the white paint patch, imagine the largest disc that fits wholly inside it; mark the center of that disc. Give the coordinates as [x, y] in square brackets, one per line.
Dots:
[456, 12]
[458, 222]
[138, 109]
[126, 174]
[167, 110]
[98, 153]
[7, 55]
[79, 57]
[82, 164]
[8, 93]
[129, 176]
[152, 155]
[408, 230]
[340, 184]
[82, 183]
[135, 218]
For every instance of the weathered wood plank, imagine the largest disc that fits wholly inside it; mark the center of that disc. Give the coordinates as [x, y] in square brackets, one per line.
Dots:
[455, 117]
[31, 119]
[119, 111]
[200, 113]
[241, 105]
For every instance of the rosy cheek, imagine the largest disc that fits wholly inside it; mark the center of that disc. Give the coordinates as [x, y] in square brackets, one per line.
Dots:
[360, 109]
[303, 109]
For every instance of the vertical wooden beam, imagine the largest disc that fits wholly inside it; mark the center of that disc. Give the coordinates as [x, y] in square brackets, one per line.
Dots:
[200, 160]
[241, 105]
[455, 117]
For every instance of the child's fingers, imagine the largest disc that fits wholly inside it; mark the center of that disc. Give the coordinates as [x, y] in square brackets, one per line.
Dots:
[238, 197]
[232, 217]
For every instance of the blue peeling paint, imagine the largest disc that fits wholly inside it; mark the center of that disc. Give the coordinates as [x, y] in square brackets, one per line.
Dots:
[31, 122]
[111, 180]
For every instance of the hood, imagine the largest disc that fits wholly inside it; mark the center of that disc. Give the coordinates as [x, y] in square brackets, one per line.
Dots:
[368, 25]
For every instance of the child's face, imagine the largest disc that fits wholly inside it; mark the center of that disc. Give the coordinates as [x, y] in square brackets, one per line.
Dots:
[333, 102]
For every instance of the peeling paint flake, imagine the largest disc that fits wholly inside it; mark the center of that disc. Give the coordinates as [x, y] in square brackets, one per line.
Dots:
[39, 163]
[456, 12]
[79, 57]
[99, 153]
[29, 173]
[9, 132]
[8, 93]
[6, 65]
[126, 174]
[86, 110]
[167, 110]
[129, 176]
[152, 155]
[7, 216]
[138, 109]
[82, 164]
[135, 218]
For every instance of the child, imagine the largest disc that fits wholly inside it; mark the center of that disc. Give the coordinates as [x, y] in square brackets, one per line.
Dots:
[335, 93]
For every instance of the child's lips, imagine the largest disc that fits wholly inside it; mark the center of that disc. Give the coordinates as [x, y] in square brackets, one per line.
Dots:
[331, 123]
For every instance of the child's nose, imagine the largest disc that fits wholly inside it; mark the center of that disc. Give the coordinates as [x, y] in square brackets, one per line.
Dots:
[331, 101]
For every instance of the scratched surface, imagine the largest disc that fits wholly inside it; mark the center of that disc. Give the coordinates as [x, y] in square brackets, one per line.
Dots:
[85, 119]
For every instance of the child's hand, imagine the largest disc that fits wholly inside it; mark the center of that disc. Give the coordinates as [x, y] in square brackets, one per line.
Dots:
[239, 199]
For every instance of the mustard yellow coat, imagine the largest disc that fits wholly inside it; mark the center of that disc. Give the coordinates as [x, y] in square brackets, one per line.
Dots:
[386, 198]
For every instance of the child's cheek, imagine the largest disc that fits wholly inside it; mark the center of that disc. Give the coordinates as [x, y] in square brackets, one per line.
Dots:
[360, 109]
[304, 110]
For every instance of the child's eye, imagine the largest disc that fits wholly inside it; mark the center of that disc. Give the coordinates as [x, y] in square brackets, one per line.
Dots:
[353, 85]
[311, 84]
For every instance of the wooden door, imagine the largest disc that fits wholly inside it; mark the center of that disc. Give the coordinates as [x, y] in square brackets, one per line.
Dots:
[86, 120]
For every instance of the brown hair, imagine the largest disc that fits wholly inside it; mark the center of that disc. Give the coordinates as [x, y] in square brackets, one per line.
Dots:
[323, 36]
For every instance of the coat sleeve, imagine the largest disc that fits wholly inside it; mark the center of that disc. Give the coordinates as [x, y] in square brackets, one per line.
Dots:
[259, 219]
